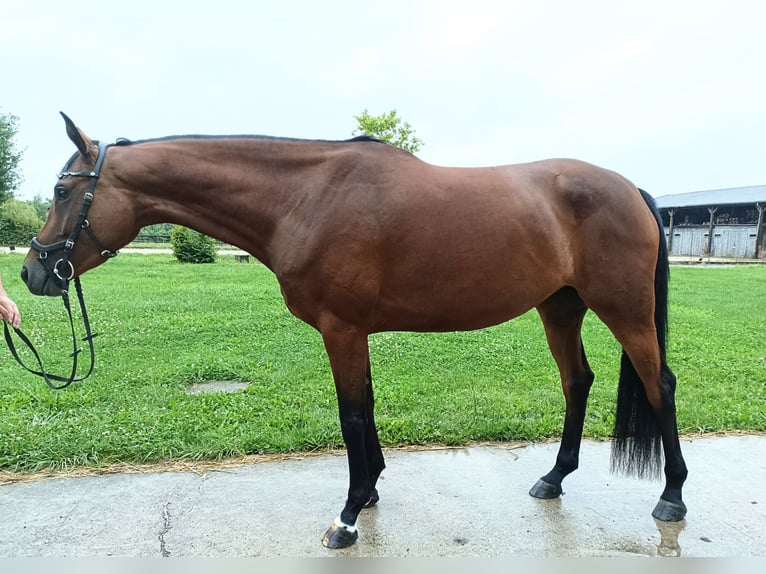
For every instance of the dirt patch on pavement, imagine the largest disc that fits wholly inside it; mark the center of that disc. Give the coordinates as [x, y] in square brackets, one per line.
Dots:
[222, 465]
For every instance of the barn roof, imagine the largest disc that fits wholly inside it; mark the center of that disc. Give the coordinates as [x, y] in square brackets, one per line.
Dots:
[731, 196]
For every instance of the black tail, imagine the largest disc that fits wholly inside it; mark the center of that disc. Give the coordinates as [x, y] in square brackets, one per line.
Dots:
[637, 446]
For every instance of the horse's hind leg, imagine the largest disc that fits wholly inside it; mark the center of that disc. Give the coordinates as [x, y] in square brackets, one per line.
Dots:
[645, 413]
[645, 418]
[562, 316]
[670, 507]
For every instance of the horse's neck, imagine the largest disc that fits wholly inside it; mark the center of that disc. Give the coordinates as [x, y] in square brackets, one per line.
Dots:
[236, 191]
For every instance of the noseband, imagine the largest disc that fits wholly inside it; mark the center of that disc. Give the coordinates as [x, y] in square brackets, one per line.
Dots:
[62, 272]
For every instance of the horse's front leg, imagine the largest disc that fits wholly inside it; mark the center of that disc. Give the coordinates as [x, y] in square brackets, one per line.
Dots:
[349, 358]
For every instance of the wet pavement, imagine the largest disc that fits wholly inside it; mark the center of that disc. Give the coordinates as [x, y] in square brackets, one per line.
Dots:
[454, 502]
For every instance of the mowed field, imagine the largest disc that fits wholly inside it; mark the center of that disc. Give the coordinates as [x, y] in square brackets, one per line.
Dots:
[164, 326]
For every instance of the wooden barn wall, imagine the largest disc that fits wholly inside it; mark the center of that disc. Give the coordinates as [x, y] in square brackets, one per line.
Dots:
[728, 241]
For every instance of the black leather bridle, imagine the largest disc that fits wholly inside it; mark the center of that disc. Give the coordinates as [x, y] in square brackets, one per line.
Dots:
[62, 272]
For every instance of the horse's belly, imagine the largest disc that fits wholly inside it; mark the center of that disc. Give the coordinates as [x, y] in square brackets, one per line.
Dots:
[451, 307]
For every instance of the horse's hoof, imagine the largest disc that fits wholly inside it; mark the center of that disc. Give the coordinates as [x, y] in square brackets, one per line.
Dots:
[669, 511]
[374, 498]
[544, 489]
[339, 536]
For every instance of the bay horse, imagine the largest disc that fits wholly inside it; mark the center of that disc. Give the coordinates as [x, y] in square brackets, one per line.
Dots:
[364, 237]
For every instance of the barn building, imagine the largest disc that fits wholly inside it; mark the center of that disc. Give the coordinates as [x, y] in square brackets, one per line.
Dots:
[716, 223]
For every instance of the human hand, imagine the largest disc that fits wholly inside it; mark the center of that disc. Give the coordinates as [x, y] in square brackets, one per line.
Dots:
[9, 311]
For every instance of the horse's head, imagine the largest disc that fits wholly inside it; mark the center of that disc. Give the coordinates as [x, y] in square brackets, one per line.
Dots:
[81, 232]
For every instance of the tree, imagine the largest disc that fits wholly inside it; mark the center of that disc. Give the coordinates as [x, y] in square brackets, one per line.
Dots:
[9, 157]
[41, 205]
[156, 233]
[19, 222]
[390, 128]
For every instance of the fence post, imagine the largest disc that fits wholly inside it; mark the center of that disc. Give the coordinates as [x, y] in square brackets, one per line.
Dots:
[758, 232]
[709, 248]
[671, 213]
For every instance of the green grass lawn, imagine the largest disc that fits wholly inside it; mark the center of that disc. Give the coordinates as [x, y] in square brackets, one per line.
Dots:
[165, 325]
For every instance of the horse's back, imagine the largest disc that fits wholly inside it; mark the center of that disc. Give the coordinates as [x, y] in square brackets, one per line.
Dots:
[550, 213]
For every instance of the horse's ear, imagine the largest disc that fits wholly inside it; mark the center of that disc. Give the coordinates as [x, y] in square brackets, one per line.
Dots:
[87, 148]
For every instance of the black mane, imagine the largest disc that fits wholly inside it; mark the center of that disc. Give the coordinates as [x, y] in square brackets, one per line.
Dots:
[362, 138]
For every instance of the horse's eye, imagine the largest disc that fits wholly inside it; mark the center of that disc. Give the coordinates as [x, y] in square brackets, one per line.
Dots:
[61, 193]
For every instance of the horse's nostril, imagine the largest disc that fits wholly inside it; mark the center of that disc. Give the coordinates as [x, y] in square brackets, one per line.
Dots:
[24, 274]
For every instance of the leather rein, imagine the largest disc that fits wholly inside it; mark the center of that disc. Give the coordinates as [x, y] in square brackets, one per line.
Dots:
[62, 272]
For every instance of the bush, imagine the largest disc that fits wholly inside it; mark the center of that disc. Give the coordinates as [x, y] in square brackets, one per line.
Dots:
[192, 246]
[19, 223]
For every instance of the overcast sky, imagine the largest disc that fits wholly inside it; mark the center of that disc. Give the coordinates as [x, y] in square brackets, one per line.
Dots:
[672, 94]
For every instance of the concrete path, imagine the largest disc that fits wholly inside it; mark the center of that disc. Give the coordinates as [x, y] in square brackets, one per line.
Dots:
[458, 502]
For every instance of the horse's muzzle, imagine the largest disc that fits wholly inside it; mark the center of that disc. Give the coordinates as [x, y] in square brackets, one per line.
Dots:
[39, 281]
